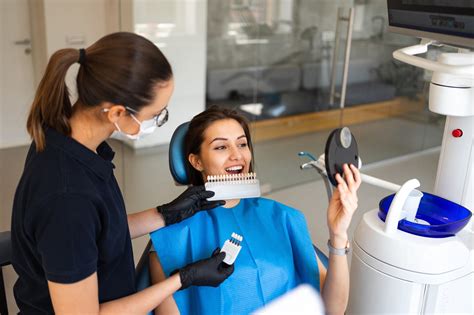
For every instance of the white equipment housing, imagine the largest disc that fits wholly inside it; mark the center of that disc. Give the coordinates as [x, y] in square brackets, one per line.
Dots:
[393, 272]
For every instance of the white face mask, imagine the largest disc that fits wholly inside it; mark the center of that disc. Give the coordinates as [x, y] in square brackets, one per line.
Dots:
[146, 127]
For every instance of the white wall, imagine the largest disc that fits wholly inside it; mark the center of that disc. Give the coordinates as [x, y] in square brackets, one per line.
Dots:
[73, 23]
[179, 29]
[182, 38]
[183, 43]
[16, 73]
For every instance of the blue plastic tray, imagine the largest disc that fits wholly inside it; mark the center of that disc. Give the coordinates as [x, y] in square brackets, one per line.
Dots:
[445, 217]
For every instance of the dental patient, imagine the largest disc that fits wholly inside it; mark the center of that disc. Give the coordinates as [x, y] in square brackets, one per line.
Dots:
[277, 253]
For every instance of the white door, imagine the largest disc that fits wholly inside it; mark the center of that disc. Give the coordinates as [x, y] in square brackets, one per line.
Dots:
[16, 72]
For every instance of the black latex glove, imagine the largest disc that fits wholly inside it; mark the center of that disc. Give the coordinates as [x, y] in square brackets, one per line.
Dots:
[187, 204]
[206, 272]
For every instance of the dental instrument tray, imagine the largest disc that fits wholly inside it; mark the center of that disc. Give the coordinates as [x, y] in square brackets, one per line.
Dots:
[436, 216]
[341, 148]
[233, 186]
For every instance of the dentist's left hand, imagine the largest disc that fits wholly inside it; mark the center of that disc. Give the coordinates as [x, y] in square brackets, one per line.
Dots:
[191, 201]
[206, 272]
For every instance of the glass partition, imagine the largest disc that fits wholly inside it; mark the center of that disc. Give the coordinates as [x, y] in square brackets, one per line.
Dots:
[285, 65]
[386, 100]
[299, 68]
[296, 69]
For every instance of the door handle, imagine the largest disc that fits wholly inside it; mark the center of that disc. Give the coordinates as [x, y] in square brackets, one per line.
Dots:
[25, 41]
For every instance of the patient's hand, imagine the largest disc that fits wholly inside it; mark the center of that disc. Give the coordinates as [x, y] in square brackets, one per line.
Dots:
[342, 206]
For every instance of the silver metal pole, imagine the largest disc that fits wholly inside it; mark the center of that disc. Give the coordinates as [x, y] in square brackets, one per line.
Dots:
[347, 58]
[334, 58]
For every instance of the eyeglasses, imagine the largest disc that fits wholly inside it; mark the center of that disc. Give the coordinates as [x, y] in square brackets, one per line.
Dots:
[159, 119]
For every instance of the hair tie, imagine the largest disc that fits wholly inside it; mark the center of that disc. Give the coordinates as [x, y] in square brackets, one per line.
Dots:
[82, 56]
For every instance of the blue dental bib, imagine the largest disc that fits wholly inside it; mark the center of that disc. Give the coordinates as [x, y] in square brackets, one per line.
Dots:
[276, 256]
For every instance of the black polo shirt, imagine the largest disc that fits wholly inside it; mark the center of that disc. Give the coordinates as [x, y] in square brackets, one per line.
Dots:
[68, 222]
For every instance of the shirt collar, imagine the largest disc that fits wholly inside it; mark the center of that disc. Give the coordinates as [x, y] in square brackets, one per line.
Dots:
[100, 163]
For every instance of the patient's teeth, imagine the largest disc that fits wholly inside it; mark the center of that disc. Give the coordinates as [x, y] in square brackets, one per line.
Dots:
[232, 178]
[234, 168]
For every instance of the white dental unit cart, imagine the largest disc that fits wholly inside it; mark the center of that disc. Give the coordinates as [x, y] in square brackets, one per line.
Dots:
[398, 271]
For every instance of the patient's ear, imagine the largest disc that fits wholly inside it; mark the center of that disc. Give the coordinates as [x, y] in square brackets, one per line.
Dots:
[195, 162]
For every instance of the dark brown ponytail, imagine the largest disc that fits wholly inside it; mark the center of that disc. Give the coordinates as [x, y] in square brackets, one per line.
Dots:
[120, 68]
[51, 105]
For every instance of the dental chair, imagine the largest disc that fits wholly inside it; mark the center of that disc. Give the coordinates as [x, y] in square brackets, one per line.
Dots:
[177, 164]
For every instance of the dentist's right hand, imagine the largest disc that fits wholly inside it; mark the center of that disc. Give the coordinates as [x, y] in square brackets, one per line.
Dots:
[206, 272]
[191, 201]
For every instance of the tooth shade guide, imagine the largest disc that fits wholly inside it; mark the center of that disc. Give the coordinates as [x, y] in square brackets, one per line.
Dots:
[232, 177]
[233, 186]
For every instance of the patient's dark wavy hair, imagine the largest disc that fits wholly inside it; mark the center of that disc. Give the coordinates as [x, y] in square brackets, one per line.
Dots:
[195, 136]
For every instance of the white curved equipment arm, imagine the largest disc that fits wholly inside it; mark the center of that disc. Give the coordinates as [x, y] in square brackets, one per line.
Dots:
[395, 210]
[407, 55]
[379, 182]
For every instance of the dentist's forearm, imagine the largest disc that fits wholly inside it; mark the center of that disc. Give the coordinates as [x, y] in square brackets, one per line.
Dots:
[144, 222]
[144, 301]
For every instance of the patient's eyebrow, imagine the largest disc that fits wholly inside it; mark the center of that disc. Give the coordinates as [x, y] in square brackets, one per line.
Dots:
[217, 139]
[225, 139]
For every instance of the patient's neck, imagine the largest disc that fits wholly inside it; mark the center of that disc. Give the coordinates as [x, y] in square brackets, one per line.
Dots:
[231, 203]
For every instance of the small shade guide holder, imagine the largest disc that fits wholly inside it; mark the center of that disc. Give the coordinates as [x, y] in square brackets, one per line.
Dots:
[232, 248]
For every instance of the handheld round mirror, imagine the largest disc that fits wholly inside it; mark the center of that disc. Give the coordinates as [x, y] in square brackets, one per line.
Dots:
[341, 147]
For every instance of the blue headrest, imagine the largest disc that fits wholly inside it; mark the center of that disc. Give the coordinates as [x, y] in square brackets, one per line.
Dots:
[177, 158]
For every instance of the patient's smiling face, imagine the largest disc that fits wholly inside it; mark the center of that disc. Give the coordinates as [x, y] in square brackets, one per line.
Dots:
[223, 151]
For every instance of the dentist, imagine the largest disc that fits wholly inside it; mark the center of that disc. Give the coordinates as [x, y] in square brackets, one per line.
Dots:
[71, 236]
